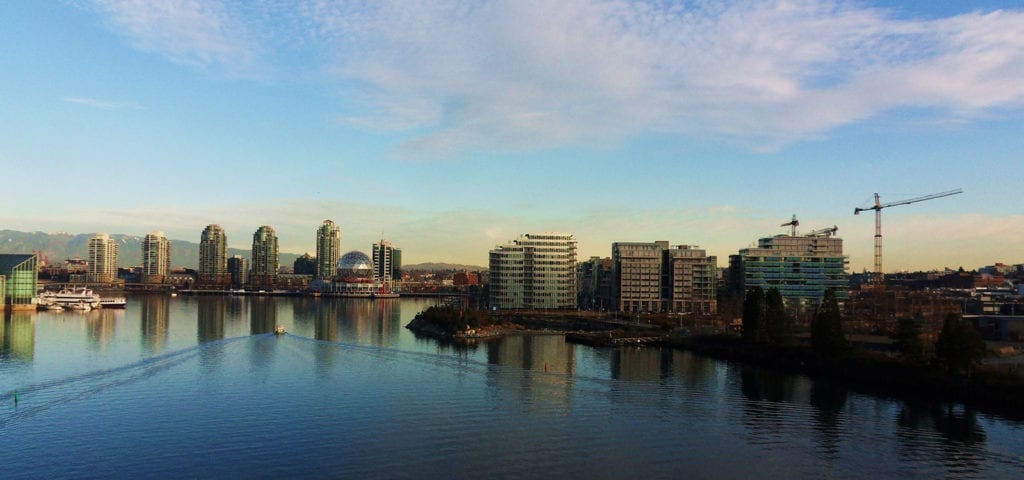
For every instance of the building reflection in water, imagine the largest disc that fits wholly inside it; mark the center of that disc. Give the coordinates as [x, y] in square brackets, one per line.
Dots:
[100, 327]
[641, 364]
[325, 321]
[155, 311]
[18, 336]
[210, 314]
[262, 315]
[375, 322]
[547, 362]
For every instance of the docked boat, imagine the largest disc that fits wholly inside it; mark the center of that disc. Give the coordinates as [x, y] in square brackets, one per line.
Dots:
[279, 330]
[113, 302]
[70, 296]
[52, 307]
[80, 306]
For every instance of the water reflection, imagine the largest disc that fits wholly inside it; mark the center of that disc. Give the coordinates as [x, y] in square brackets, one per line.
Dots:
[100, 326]
[768, 398]
[642, 364]
[17, 336]
[963, 450]
[262, 315]
[325, 322]
[210, 313]
[155, 312]
[828, 400]
[549, 363]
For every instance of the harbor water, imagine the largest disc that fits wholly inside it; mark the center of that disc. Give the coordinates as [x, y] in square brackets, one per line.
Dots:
[201, 387]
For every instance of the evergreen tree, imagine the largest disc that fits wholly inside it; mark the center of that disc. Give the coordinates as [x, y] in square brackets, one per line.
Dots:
[827, 336]
[776, 323]
[753, 315]
[908, 338]
[960, 346]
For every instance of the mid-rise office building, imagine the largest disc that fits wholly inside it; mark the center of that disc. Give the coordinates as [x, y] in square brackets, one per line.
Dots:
[238, 269]
[156, 257]
[594, 278]
[264, 257]
[536, 271]
[102, 259]
[384, 263]
[801, 267]
[213, 257]
[328, 250]
[19, 281]
[655, 277]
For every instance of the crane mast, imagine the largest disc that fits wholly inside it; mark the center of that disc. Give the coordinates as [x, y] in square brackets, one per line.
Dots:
[877, 207]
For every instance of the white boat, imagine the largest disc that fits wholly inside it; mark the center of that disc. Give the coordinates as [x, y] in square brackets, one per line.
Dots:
[53, 307]
[113, 302]
[80, 306]
[70, 296]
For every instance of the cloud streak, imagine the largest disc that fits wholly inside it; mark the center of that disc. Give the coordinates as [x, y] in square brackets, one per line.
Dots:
[101, 104]
[457, 76]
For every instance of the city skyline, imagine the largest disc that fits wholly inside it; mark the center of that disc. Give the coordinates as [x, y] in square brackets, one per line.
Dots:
[452, 130]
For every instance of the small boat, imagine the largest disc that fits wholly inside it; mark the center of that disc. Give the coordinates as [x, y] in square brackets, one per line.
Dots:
[80, 306]
[53, 307]
[279, 330]
[174, 294]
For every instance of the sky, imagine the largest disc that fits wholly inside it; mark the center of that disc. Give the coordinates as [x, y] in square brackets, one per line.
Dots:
[450, 127]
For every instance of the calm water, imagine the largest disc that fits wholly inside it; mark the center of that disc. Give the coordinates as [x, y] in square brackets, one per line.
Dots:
[197, 387]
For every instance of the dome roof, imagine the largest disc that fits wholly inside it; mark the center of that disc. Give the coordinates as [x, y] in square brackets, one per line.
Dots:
[355, 264]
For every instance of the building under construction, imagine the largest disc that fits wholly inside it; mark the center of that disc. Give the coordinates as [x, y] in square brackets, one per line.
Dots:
[801, 267]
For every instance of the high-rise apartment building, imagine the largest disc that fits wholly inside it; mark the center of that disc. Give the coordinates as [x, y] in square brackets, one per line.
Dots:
[328, 250]
[536, 271]
[802, 268]
[156, 257]
[264, 257]
[238, 269]
[102, 259]
[655, 277]
[213, 257]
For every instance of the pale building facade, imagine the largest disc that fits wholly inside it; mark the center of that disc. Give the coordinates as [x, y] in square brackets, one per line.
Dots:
[536, 271]
[102, 259]
[156, 257]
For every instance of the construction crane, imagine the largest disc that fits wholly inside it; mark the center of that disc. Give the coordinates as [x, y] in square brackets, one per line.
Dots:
[793, 224]
[878, 206]
[828, 232]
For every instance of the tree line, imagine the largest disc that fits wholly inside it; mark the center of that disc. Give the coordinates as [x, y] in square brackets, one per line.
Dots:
[959, 347]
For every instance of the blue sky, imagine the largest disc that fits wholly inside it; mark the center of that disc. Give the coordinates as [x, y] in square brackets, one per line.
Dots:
[450, 127]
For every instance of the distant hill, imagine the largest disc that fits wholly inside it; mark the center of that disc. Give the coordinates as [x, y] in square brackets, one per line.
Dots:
[429, 266]
[60, 246]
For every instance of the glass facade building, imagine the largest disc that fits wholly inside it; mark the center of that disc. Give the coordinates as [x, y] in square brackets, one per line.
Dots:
[21, 280]
[537, 271]
[802, 268]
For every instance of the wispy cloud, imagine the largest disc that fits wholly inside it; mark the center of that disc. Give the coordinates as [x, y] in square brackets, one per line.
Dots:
[191, 32]
[102, 104]
[460, 76]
